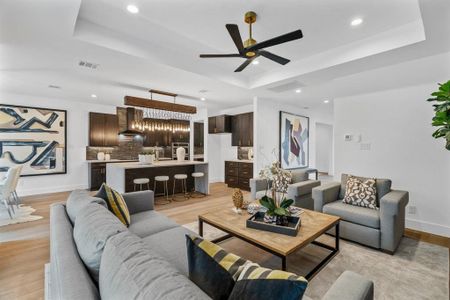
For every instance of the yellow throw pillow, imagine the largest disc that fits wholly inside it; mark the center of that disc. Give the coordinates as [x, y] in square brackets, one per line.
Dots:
[116, 203]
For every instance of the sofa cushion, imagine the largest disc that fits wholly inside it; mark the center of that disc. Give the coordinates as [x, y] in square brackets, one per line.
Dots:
[383, 186]
[361, 192]
[354, 214]
[149, 222]
[129, 270]
[171, 245]
[77, 200]
[68, 276]
[299, 175]
[255, 282]
[213, 269]
[94, 225]
[116, 203]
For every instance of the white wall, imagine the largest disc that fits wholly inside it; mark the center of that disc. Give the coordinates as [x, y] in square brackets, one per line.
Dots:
[267, 121]
[77, 140]
[396, 126]
[324, 148]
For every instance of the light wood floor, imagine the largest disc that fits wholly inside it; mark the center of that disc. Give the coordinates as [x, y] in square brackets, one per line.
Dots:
[24, 248]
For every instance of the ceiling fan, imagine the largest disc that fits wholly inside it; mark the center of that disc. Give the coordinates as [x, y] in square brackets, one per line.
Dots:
[250, 49]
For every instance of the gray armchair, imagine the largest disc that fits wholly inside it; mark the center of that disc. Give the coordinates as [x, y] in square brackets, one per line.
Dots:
[299, 190]
[378, 228]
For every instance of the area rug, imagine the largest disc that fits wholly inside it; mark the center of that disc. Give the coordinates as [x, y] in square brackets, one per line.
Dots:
[418, 270]
[22, 214]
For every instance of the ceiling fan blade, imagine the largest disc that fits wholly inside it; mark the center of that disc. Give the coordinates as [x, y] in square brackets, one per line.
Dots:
[274, 57]
[294, 35]
[233, 30]
[219, 55]
[245, 64]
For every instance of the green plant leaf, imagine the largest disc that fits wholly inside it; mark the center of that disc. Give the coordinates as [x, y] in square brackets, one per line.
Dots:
[280, 211]
[286, 203]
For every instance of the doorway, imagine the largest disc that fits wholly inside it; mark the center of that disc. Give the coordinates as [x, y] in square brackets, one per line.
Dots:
[199, 141]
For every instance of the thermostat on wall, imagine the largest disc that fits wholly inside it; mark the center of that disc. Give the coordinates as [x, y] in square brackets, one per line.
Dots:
[348, 137]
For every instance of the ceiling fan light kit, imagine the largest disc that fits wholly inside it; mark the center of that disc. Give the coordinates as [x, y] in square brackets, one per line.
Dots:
[250, 48]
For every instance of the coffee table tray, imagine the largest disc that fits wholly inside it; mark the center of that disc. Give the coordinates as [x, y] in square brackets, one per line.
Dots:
[257, 222]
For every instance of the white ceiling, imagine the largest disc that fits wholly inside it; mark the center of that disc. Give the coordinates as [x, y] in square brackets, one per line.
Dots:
[41, 43]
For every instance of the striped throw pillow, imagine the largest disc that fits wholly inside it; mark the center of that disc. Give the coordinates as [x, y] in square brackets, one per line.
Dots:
[116, 203]
[255, 283]
[211, 268]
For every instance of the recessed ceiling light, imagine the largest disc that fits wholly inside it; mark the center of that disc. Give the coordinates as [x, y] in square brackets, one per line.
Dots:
[203, 98]
[255, 62]
[298, 91]
[94, 96]
[133, 9]
[326, 101]
[357, 22]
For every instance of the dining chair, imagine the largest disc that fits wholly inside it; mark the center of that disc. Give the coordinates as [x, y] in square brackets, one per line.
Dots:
[6, 189]
[16, 181]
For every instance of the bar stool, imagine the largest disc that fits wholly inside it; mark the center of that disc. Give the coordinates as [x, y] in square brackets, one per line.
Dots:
[182, 178]
[196, 194]
[164, 180]
[141, 182]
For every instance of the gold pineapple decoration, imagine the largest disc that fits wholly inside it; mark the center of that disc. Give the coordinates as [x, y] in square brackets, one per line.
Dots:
[238, 199]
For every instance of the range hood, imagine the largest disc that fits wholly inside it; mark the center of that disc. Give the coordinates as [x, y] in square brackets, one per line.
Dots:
[127, 116]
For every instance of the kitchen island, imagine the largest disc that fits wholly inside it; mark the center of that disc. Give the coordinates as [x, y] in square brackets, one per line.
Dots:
[120, 176]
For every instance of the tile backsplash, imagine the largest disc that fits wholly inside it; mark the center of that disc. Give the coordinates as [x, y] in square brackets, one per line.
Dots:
[242, 152]
[128, 149]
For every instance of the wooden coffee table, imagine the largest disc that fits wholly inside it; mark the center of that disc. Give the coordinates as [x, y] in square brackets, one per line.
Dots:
[313, 225]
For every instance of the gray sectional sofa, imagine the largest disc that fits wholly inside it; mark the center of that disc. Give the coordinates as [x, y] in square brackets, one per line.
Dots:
[147, 260]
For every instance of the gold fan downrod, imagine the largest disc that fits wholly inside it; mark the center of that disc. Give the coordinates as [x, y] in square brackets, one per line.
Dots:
[250, 18]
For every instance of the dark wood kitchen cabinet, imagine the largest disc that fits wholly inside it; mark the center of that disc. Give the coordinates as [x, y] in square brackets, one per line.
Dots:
[238, 174]
[219, 124]
[242, 130]
[103, 130]
[198, 134]
[97, 175]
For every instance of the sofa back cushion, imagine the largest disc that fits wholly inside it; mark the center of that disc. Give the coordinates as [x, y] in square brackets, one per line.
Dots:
[299, 175]
[383, 186]
[94, 225]
[129, 270]
[69, 278]
[77, 200]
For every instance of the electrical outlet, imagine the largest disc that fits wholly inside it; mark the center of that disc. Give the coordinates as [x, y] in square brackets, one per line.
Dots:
[412, 209]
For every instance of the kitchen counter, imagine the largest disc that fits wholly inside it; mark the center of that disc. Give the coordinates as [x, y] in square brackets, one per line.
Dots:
[120, 176]
[96, 161]
[248, 161]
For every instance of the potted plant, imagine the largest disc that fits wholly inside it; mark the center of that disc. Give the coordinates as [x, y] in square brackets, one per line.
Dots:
[147, 157]
[277, 205]
[441, 118]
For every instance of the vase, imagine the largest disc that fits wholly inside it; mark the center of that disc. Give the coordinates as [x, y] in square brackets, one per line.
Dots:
[181, 153]
[101, 155]
[107, 156]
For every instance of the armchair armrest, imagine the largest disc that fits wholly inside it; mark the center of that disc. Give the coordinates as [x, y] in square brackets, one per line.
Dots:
[139, 201]
[325, 194]
[392, 219]
[301, 188]
[256, 185]
[350, 286]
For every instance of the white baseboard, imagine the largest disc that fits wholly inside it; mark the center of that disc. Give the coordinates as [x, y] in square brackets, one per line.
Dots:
[428, 227]
[47, 190]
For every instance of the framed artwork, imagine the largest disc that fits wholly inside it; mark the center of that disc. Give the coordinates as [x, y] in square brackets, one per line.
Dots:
[294, 141]
[35, 138]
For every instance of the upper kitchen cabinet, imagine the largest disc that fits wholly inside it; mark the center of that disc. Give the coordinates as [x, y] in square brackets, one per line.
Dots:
[219, 124]
[242, 130]
[103, 130]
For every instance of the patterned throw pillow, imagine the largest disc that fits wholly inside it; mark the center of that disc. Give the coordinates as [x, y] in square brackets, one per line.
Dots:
[116, 203]
[211, 268]
[256, 283]
[361, 192]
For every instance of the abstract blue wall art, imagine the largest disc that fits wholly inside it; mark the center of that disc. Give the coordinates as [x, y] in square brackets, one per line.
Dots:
[294, 141]
[33, 137]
